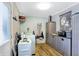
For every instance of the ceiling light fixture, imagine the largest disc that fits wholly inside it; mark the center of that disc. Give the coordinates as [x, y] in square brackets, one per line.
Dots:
[43, 6]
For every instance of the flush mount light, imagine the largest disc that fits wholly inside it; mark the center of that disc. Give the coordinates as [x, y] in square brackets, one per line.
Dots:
[43, 6]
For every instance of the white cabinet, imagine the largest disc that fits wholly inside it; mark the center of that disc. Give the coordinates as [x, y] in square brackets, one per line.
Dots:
[67, 46]
[63, 45]
[50, 41]
[60, 46]
[54, 42]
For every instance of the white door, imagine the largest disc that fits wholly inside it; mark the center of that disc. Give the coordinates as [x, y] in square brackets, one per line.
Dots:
[75, 35]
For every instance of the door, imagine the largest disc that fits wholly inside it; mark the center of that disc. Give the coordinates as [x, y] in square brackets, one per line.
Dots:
[75, 35]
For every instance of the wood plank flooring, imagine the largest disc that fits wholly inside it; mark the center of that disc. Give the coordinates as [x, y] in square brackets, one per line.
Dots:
[45, 50]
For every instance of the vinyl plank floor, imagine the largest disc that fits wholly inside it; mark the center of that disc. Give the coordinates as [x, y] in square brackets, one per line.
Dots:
[46, 50]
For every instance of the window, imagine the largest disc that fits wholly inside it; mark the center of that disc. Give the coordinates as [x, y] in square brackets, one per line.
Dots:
[4, 24]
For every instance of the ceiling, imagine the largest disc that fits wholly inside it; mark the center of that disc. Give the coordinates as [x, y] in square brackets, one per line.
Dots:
[30, 9]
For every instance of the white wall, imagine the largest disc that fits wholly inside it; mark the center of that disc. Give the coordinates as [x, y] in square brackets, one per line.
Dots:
[32, 22]
[14, 24]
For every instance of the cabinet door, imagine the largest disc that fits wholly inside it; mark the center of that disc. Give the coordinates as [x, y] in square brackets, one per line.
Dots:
[55, 42]
[66, 47]
[49, 40]
[59, 45]
[62, 45]
[52, 41]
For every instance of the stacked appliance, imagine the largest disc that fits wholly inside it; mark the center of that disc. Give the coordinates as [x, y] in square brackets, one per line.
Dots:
[50, 29]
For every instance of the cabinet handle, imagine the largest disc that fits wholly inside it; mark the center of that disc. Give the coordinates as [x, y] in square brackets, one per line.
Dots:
[62, 39]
